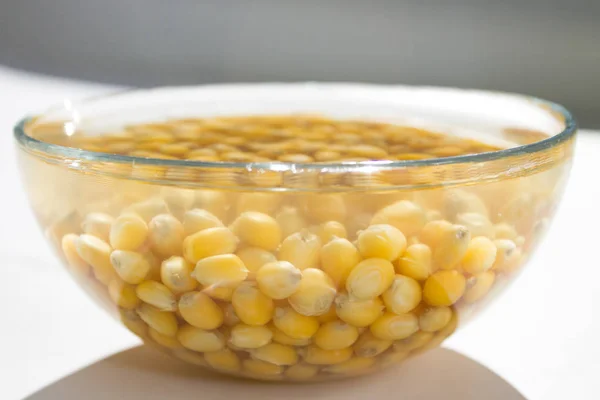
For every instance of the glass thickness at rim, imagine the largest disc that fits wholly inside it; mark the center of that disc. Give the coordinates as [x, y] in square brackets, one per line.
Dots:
[43, 148]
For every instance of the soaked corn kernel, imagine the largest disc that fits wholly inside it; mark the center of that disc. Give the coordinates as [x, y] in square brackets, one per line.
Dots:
[477, 224]
[166, 235]
[335, 335]
[176, 274]
[223, 360]
[368, 345]
[250, 337]
[199, 310]
[157, 295]
[405, 215]
[414, 341]
[360, 313]
[381, 241]
[295, 325]
[444, 288]
[291, 221]
[132, 267]
[435, 318]
[97, 224]
[96, 253]
[257, 229]
[128, 232]
[479, 285]
[403, 296]
[164, 322]
[315, 293]
[416, 262]
[301, 249]
[392, 326]
[331, 230]
[197, 339]
[480, 255]
[222, 270]
[251, 305]
[276, 353]
[318, 356]
[370, 278]
[197, 220]
[352, 366]
[69, 248]
[261, 368]
[209, 242]
[451, 246]
[279, 279]
[163, 340]
[123, 294]
[280, 337]
[301, 372]
[338, 258]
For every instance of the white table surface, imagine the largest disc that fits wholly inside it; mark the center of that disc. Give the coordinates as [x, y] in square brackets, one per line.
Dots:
[542, 336]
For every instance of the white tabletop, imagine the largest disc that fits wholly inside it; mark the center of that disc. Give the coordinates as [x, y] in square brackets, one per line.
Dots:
[542, 335]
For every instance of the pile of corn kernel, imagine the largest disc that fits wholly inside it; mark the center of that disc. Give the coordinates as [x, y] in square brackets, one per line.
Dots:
[292, 287]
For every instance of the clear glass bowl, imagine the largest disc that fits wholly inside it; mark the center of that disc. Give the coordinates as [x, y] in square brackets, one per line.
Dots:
[330, 327]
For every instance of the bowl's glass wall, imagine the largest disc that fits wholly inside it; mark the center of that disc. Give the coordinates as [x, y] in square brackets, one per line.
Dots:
[508, 200]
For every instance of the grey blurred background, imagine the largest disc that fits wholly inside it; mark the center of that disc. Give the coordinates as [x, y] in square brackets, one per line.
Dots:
[546, 48]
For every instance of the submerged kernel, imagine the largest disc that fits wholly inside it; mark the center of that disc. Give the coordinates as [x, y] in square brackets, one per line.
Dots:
[370, 278]
[314, 294]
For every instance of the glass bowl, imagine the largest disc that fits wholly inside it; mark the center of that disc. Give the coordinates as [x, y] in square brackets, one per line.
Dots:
[175, 249]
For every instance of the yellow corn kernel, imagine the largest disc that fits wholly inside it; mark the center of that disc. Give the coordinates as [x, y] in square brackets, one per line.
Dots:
[415, 262]
[368, 345]
[260, 368]
[477, 224]
[290, 220]
[149, 208]
[405, 215]
[360, 313]
[336, 335]
[331, 230]
[330, 315]
[199, 310]
[164, 322]
[414, 341]
[392, 326]
[251, 305]
[225, 270]
[433, 231]
[452, 246]
[128, 232]
[355, 365]
[230, 318]
[213, 201]
[250, 337]
[131, 266]
[370, 278]
[166, 235]
[196, 220]
[176, 274]
[294, 324]
[223, 360]
[254, 258]
[403, 296]
[315, 293]
[381, 241]
[280, 337]
[480, 255]
[69, 248]
[325, 207]
[433, 215]
[301, 372]
[257, 229]
[301, 249]
[209, 242]
[444, 288]
[318, 356]
[479, 285]
[276, 353]
[261, 202]
[133, 322]
[458, 201]
[505, 231]
[279, 279]
[223, 293]
[123, 294]
[435, 318]
[163, 340]
[96, 253]
[507, 254]
[338, 258]
[393, 358]
[157, 295]
[97, 224]
[197, 339]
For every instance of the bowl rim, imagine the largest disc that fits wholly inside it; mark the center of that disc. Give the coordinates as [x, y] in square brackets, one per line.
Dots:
[54, 150]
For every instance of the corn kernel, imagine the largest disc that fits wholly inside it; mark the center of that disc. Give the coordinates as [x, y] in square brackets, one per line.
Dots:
[478, 286]
[197, 339]
[197, 220]
[505, 231]
[254, 258]
[257, 229]
[69, 248]
[330, 315]
[315, 293]
[434, 319]
[370, 278]
[507, 253]
[225, 270]
[276, 353]
[395, 326]
[452, 246]
[414, 341]
[393, 358]
[331, 230]
[123, 294]
[251, 305]
[404, 215]
[318, 356]
[223, 293]
[260, 368]
[190, 357]
[381, 241]
[433, 231]
[166, 235]
[325, 207]
[477, 224]
[128, 232]
[213, 201]
[131, 266]
[147, 209]
[290, 220]
[209, 242]
[415, 262]
[199, 310]
[444, 288]
[280, 337]
[164, 322]
[295, 325]
[458, 201]
[368, 345]
[133, 322]
[157, 295]
[165, 341]
[336, 335]
[360, 313]
[250, 337]
[97, 224]
[338, 258]
[353, 366]
[261, 202]
[223, 360]
[96, 253]
[230, 318]
[279, 279]
[403, 296]
[480, 255]
[176, 274]
[301, 372]
[301, 249]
